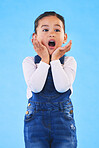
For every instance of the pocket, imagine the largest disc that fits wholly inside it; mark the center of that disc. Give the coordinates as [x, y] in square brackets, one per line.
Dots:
[28, 115]
[69, 121]
[73, 129]
[68, 110]
[68, 113]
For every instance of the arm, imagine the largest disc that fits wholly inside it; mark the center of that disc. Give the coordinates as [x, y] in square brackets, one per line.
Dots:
[63, 76]
[35, 77]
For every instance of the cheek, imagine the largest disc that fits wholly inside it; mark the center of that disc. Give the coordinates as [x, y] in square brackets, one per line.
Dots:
[40, 37]
[61, 42]
[61, 38]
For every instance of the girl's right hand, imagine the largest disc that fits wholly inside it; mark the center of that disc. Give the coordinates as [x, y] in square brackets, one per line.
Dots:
[41, 50]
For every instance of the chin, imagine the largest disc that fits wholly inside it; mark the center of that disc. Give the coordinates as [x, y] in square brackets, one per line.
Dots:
[51, 53]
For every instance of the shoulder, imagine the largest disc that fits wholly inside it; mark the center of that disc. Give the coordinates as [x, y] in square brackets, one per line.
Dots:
[70, 61]
[69, 58]
[28, 60]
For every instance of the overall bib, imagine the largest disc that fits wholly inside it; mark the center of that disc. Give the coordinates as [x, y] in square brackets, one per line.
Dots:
[49, 120]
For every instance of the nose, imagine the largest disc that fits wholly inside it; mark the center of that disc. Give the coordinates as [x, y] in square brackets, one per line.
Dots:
[51, 34]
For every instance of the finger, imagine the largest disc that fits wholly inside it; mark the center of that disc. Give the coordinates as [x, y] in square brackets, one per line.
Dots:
[69, 44]
[70, 41]
[37, 45]
[64, 50]
[41, 44]
[69, 48]
[66, 47]
[32, 40]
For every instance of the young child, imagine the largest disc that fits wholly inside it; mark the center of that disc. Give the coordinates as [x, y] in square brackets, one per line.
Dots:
[49, 120]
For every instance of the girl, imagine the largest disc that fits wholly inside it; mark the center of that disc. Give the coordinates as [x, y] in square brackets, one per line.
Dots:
[49, 120]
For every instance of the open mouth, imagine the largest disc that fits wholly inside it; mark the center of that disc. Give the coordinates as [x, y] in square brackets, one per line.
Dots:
[51, 43]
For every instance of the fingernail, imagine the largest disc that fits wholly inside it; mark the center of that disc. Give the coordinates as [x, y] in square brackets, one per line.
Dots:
[34, 37]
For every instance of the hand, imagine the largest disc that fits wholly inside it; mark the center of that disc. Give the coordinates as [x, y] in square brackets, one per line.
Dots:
[60, 51]
[41, 50]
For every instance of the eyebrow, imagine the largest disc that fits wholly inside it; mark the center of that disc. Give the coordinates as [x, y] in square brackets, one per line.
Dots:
[48, 25]
[57, 25]
[44, 26]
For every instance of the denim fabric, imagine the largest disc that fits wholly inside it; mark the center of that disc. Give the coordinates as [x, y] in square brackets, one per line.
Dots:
[49, 120]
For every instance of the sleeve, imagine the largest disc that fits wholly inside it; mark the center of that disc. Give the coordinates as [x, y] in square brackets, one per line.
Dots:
[35, 77]
[63, 76]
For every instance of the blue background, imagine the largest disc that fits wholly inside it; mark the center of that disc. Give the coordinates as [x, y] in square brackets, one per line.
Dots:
[16, 26]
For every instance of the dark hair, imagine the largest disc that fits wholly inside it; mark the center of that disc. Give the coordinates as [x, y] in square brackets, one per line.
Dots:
[48, 13]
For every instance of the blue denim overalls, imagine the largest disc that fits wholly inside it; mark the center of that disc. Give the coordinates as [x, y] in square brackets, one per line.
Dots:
[49, 121]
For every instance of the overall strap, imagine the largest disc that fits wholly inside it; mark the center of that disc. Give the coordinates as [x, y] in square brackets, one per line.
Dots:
[37, 59]
[62, 59]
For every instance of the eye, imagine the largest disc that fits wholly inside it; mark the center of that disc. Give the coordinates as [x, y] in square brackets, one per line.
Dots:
[57, 30]
[45, 30]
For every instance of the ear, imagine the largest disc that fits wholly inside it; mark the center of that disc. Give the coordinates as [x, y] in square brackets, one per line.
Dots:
[34, 35]
[65, 38]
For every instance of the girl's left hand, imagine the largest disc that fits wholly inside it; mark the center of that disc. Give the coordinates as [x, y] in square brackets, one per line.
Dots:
[60, 51]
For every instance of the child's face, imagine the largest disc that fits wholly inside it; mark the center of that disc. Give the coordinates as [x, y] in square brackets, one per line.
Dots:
[50, 32]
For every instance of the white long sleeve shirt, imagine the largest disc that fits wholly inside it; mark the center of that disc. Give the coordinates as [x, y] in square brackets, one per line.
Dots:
[35, 74]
